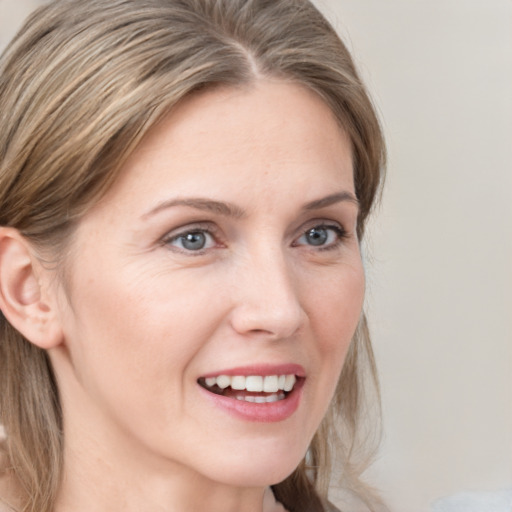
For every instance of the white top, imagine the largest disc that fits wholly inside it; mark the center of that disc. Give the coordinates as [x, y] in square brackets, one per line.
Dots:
[499, 501]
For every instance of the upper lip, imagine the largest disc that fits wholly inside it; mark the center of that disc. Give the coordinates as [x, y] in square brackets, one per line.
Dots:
[261, 369]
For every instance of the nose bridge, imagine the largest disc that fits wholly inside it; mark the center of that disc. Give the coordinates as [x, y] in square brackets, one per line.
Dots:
[269, 299]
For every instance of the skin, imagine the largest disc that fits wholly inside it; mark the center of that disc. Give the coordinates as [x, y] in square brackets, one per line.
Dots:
[142, 317]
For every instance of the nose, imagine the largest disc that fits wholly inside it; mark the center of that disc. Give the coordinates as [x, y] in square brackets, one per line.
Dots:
[267, 301]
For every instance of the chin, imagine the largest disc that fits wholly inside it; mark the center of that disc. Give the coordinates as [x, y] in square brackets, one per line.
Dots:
[258, 466]
[253, 476]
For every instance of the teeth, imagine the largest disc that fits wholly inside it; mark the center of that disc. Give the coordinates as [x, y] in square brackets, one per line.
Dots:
[210, 381]
[262, 399]
[270, 384]
[238, 382]
[289, 382]
[223, 381]
[254, 383]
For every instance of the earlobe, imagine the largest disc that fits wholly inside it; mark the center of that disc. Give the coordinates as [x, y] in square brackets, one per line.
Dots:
[25, 300]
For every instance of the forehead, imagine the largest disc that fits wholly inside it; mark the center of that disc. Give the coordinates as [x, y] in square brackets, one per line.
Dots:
[217, 139]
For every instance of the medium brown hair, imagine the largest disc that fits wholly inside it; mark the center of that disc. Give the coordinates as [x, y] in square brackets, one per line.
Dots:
[80, 86]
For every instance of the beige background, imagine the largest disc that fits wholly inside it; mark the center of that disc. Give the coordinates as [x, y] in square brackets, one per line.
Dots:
[440, 258]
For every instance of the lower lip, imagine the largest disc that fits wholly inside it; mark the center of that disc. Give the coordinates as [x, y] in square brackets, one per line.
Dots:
[266, 413]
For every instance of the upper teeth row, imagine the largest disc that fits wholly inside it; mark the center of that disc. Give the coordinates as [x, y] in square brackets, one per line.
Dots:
[255, 383]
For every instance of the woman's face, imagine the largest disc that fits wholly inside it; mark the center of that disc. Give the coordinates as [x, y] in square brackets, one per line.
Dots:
[227, 248]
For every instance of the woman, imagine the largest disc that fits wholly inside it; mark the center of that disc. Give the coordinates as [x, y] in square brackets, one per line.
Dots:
[184, 187]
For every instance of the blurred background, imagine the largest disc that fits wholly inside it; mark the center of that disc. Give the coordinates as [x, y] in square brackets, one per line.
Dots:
[439, 261]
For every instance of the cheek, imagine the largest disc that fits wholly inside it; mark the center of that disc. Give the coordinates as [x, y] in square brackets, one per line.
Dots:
[136, 330]
[334, 315]
[336, 307]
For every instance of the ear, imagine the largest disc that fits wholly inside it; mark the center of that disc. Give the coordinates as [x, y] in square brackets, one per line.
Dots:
[25, 295]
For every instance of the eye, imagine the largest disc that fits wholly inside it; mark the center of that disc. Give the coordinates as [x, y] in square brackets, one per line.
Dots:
[323, 236]
[195, 240]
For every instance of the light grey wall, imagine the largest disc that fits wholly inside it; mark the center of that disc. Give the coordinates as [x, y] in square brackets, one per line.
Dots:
[440, 276]
[440, 258]
[12, 13]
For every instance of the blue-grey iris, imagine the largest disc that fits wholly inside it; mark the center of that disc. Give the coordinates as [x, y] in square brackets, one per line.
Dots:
[317, 236]
[194, 241]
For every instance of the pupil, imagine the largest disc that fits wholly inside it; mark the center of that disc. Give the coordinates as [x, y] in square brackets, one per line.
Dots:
[194, 241]
[317, 236]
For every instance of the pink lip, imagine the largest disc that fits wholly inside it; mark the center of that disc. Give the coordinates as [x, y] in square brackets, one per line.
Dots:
[265, 413]
[261, 369]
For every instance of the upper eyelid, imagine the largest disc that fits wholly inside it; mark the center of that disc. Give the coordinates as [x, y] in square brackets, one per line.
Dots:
[207, 227]
[337, 227]
[322, 222]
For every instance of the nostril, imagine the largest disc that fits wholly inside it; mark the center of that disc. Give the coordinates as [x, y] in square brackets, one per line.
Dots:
[265, 323]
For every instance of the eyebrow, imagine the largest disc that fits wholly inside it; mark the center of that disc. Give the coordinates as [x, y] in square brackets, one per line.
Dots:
[199, 203]
[339, 197]
[232, 210]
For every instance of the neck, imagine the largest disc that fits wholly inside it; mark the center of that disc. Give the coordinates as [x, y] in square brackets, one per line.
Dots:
[105, 471]
[101, 481]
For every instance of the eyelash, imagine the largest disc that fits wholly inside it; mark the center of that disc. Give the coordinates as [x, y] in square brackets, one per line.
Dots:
[340, 233]
[208, 230]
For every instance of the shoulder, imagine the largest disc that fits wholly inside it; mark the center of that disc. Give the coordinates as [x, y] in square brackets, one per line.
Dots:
[4, 495]
[4, 485]
[5, 481]
[498, 501]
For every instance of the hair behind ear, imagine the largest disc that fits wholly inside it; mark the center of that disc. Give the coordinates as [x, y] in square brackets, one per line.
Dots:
[31, 416]
[29, 405]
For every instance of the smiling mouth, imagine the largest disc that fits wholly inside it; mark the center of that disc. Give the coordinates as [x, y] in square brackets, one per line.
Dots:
[252, 388]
